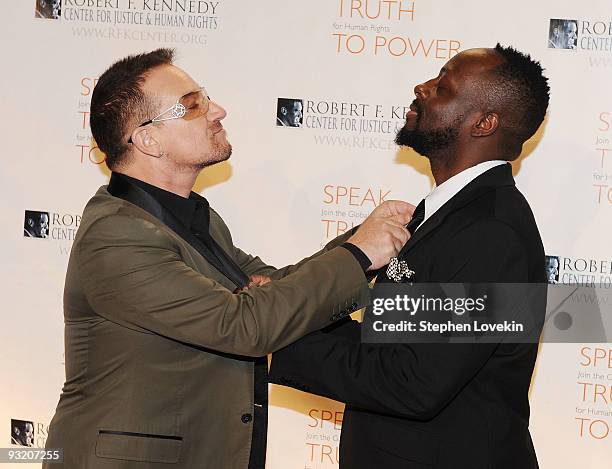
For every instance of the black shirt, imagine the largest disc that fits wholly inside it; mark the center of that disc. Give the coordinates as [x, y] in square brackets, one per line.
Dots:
[193, 212]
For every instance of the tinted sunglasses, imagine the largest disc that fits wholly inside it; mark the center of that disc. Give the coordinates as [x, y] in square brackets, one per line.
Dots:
[190, 106]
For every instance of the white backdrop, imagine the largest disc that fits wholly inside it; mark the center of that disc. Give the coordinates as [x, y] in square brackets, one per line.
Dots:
[286, 190]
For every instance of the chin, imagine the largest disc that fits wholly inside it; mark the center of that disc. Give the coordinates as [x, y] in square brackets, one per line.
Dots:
[404, 137]
[221, 153]
[226, 152]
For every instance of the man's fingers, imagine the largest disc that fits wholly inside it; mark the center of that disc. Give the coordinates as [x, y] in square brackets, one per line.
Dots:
[396, 207]
[257, 281]
[394, 234]
[402, 218]
[398, 231]
[398, 244]
[395, 222]
[381, 237]
[400, 207]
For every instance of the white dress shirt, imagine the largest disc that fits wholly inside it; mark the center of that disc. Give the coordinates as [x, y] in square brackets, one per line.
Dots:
[449, 188]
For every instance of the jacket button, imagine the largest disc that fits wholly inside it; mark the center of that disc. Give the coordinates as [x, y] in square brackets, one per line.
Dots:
[246, 418]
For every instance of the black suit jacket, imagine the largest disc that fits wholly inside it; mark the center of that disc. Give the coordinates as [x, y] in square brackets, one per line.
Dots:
[451, 406]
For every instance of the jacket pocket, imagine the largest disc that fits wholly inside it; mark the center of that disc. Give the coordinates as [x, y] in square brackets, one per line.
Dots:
[145, 447]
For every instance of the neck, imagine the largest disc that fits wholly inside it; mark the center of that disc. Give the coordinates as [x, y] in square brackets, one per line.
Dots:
[452, 160]
[179, 183]
[444, 167]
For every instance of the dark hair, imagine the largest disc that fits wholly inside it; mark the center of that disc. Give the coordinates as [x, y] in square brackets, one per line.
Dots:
[118, 104]
[520, 90]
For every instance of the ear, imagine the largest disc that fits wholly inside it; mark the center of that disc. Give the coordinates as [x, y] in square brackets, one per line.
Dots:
[144, 139]
[486, 125]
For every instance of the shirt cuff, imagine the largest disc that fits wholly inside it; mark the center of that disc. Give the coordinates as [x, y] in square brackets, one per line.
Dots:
[360, 256]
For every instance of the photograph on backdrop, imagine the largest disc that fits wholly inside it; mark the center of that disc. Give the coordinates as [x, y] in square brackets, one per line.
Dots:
[289, 112]
[48, 9]
[563, 34]
[552, 269]
[22, 433]
[36, 224]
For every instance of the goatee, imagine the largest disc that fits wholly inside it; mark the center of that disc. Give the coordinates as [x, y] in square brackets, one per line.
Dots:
[429, 142]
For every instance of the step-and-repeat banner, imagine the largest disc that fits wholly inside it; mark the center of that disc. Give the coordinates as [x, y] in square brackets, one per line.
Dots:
[314, 91]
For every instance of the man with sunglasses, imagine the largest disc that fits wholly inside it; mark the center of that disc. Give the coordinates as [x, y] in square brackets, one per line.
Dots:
[168, 324]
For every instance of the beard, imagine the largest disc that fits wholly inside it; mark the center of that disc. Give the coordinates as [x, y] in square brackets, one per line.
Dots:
[218, 153]
[430, 142]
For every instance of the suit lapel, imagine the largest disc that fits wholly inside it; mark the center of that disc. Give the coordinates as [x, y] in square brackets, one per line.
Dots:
[488, 181]
[123, 189]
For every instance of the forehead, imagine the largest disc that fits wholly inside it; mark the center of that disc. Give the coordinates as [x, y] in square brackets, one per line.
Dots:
[169, 82]
[472, 63]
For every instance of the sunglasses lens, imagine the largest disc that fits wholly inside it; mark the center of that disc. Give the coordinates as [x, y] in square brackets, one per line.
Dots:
[196, 104]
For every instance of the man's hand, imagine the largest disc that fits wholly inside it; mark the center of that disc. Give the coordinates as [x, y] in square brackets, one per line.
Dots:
[258, 280]
[383, 234]
[254, 281]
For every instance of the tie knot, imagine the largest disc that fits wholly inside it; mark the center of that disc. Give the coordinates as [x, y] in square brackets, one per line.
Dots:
[417, 217]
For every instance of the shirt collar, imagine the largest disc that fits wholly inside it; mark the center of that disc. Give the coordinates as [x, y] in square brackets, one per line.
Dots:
[449, 188]
[190, 211]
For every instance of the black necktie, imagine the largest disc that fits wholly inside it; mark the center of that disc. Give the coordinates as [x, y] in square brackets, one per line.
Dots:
[417, 217]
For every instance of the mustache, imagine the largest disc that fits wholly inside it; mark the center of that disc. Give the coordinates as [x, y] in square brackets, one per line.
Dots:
[416, 106]
[216, 127]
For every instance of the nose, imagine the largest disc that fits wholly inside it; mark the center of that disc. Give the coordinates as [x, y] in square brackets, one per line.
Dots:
[421, 90]
[215, 112]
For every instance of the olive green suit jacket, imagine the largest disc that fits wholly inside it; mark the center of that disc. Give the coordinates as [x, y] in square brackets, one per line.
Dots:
[156, 341]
